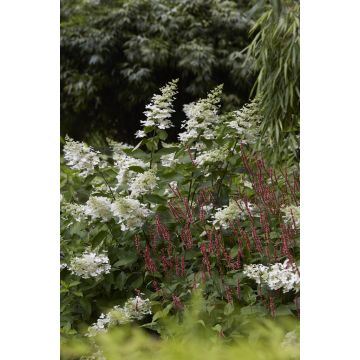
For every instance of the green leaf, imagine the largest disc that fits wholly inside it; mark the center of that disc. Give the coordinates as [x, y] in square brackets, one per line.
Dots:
[228, 309]
[217, 328]
[128, 259]
[137, 169]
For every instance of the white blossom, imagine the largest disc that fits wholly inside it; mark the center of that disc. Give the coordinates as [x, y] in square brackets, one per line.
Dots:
[276, 276]
[202, 117]
[143, 183]
[173, 185]
[140, 134]
[169, 160]
[292, 216]
[211, 156]
[98, 207]
[63, 266]
[123, 163]
[90, 264]
[226, 215]
[245, 122]
[131, 214]
[158, 112]
[76, 211]
[137, 307]
[80, 156]
[134, 309]
[118, 149]
[208, 208]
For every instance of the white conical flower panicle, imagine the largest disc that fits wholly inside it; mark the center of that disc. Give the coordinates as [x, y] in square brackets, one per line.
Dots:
[276, 276]
[143, 183]
[202, 117]
[123, 162]
[246, 122]
[76, 211]
[98, 207]
[130, 213]
[90, 264]
[134, 309]
[292, 216]
[226, 215]
[80, 156]
[211, 156]
[169, 160]
[158, 112]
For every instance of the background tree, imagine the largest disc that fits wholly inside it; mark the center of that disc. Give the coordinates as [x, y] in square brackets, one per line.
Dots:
[275, 56]
[115, 54]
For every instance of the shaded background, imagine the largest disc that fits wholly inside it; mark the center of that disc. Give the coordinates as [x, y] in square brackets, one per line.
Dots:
[116, 54]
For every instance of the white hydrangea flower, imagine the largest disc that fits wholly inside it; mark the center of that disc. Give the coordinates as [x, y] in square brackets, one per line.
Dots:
[276, 276]
[76, 211]
[123, 162]
[80, 156]
[90, 264]
[158, 112]
[98, 207]
[291, 215]
[226, 215]
[118, 149]
[211, 156]
[143, 183]
[169, 160]
[202, 117]
[173, 185]
[140, 134]
[257, 272]
[134, 309]
[245, 122]
[63, 266]
[208, 208]
[100, 326]
[137, 307]
[131, 214]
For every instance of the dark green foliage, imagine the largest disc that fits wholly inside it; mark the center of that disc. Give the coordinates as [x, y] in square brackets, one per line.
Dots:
[115, 54]
[275, 55]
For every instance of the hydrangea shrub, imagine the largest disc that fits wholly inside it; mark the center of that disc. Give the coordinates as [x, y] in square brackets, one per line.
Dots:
[163, 219]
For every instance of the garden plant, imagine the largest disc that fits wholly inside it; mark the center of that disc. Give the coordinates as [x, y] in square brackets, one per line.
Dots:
[199, 233]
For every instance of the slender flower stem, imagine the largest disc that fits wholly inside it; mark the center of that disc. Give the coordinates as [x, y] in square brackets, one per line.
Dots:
[102, 175]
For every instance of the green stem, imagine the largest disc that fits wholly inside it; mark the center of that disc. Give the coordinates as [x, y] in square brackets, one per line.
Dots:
[102, 175]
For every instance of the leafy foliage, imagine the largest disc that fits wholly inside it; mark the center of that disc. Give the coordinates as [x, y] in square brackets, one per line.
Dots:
[192, 338]
[169, 230]
[115, 54]
[275, 54]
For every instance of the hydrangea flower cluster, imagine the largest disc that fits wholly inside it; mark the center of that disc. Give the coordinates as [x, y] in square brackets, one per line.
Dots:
[130, 212]
[169, 160]
[76, 211]
[173, 185]
[159, 110]
[143, 183]
[134, 309]
[90, 264]
[226, 215]
[276, 276]
[292, 216]
[80, 156]
[202, 116]
[244, 122]
[211, 156]
[123, 162]
[98, 207]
